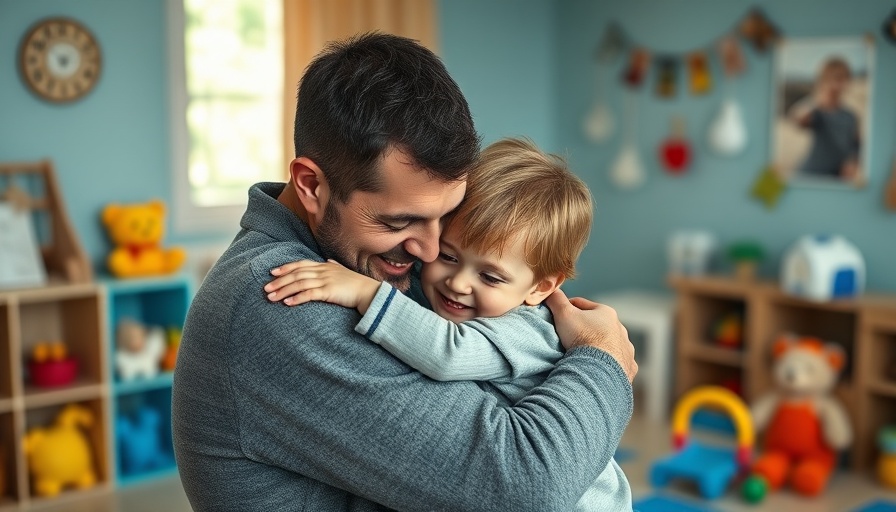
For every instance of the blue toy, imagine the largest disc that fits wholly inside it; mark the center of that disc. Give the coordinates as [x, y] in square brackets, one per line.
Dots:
[140, 442]
[711, 467]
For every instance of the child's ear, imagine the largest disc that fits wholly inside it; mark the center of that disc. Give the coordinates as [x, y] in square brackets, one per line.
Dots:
[543, 288]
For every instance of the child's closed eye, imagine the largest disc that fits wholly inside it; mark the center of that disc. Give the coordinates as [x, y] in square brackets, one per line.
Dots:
[447, 258]
[490, 279]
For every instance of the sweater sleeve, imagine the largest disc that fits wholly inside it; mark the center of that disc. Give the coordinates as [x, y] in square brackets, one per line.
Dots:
[517, 344]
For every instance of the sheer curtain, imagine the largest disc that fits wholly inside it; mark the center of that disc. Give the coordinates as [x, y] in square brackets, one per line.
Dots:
[310, 24]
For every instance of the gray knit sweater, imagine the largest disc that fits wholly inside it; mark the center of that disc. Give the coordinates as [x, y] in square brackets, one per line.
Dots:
[513, 352]
[278, 408]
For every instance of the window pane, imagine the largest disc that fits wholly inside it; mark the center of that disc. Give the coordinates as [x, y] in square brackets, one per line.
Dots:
[234, 67]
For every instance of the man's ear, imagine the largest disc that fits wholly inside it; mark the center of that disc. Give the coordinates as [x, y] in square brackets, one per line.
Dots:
[310, 186]
[543, 288]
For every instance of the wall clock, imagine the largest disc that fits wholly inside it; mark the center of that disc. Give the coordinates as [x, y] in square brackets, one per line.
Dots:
[59, 60]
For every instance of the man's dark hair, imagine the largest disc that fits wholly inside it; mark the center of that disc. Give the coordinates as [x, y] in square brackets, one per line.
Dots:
[364, 94]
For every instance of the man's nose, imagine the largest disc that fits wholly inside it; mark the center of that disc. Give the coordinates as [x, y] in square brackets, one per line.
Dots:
[425, 244]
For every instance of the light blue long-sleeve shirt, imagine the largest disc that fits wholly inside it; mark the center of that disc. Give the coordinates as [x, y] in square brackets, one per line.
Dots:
[278, 408]
[514, 353]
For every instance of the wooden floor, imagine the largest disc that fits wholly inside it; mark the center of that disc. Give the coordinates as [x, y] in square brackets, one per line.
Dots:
[645, 441]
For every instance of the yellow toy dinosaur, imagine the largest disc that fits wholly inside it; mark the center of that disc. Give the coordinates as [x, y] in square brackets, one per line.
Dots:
[60, 455]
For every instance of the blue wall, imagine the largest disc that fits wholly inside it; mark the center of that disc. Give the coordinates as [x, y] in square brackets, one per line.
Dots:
[502, 53]
[627, 243]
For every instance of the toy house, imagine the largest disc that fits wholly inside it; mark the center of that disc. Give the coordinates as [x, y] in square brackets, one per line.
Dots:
[823, 267]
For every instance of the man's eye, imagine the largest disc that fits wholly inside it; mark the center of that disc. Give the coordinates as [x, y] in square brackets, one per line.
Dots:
[447, 257]
[490, 279]
[392, 227]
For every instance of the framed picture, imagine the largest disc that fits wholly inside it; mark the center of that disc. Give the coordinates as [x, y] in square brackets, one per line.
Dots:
[822, 110]
[21, 264]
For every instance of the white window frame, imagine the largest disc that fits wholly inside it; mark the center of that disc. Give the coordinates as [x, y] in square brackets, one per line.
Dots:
[188, 217]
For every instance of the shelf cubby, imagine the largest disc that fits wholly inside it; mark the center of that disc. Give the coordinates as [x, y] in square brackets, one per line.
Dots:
[75, 322]
[147, 421]
[97, 435]
[157, 302]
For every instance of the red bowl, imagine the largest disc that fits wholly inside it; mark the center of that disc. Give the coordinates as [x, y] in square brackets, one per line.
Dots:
[50, 374]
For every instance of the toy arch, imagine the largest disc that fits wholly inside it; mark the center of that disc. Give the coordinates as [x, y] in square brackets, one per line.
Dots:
[720, 397]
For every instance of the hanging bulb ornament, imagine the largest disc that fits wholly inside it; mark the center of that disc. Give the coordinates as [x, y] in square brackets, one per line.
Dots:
[727, 131]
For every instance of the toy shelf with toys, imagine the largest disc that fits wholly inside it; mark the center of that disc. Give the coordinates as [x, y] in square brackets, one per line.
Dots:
[145, 319]
[78, 415]
[51, 339]
[864, 327]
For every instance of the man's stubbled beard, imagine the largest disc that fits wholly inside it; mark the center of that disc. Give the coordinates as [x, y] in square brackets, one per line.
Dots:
[333, 246]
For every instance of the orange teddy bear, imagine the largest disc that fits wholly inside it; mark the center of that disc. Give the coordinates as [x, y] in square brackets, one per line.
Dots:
[804, 425]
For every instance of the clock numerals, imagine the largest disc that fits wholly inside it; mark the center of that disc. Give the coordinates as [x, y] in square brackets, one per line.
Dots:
[59, 59]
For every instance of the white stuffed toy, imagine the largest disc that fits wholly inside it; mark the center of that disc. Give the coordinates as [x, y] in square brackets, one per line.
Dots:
[140, 349]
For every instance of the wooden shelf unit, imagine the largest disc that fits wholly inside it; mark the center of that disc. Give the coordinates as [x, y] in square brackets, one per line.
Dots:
[75, 315]
[865, 327]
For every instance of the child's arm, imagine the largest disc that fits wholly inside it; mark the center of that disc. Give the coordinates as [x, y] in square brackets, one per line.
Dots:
[520, 343]
[304, 281]
[517, 344]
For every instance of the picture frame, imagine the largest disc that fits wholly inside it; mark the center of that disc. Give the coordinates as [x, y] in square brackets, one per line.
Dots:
[821, 111]
[21, 264]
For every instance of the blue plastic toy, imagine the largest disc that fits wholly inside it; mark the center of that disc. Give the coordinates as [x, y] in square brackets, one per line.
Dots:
[140, 442]
[712, 468]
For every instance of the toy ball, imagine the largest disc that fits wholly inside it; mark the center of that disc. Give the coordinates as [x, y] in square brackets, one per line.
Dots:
[823, 267]
[754, 489]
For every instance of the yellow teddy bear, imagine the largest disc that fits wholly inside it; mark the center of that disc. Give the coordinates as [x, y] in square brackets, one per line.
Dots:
[136, 230]
[61, 455]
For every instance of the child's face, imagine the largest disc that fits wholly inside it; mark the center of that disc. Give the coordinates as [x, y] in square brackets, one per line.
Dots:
[462, 284]
[834, 83]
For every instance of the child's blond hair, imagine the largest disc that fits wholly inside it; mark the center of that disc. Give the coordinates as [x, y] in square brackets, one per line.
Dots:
[514, 190]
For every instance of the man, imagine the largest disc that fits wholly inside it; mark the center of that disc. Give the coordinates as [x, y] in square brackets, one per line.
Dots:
[280, 408]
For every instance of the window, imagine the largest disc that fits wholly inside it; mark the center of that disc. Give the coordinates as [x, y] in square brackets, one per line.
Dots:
[227, 106]
[233, 76]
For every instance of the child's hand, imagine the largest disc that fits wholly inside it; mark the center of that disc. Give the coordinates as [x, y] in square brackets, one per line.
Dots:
[303, 281]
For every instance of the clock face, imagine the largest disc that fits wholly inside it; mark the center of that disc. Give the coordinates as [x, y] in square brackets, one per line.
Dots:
[59, 60]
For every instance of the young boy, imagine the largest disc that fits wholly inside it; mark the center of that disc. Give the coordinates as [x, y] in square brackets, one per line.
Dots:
[834, 125]
[514, 239]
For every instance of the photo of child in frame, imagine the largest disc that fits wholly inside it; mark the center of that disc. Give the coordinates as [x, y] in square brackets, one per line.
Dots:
[821, 113]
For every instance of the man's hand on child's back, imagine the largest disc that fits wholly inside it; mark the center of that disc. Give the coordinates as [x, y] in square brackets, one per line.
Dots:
[304, 281]
[580, 322]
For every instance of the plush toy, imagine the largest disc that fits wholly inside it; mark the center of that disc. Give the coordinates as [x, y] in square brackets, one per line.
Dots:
[61, 455]
[140, 349]
[136, 230]
[140, 442]
[804, 425]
